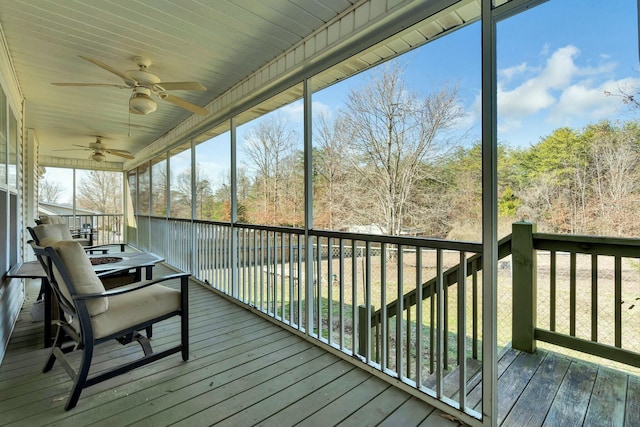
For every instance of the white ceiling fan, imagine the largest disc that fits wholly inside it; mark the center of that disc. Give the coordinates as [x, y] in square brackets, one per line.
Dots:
[143, 84]
[99, 151]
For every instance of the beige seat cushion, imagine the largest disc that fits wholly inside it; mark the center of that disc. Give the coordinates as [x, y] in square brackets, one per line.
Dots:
[134, 308]
[52, 219]
[84, 279]
[52, 231]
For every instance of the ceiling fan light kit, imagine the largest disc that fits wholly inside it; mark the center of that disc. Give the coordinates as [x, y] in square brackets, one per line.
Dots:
[100, 151]
[98, 156]
[144, 84]
[140, 101]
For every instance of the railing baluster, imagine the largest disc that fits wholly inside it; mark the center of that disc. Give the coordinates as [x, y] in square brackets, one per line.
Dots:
[572, 294]
[441, 331]
[282, 275]
[462, 329]
[618, 301]
[319, 285]
[367, 325]
[552, 290]
[300, 282]
[419, 302]
[341, 308]
[329, 290]
[292, 280]
[594, 297]
[474, 309]
[399, 311]
[383, 354]
[354, 295]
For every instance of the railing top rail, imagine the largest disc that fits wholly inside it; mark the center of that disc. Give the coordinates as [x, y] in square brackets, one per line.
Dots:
[597, 245]
[422, 242]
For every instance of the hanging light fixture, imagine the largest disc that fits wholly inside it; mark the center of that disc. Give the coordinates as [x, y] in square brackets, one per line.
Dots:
[98, 156]
[141, 102]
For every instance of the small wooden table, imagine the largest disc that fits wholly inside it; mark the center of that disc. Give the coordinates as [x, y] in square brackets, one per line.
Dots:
[136, 261]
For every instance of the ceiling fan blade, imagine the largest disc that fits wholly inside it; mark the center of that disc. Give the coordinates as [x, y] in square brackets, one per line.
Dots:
[179, 86]
[81, 146]
[121, 154]
[184, 104]
[120, 151]
[128, 80]
[72, 149]
[92, 85]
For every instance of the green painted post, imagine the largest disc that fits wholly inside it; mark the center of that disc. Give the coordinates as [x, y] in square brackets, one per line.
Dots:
[362, 331]
[363, 337]
[524, 286]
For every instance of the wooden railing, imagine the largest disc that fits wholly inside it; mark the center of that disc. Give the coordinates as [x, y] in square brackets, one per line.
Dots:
[600, 294]
[328, 285]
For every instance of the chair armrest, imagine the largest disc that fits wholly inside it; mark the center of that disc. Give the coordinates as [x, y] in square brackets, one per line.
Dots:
[116, 271]
[105, 247]
[131, 288]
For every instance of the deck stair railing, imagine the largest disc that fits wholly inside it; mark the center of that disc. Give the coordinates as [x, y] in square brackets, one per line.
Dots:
[471, 267]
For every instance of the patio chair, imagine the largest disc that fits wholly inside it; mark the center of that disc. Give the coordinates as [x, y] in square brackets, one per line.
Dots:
[93, 316]
[84, 234]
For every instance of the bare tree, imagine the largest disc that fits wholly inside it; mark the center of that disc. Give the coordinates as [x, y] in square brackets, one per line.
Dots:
[330, 170]
[616, 160]
[268, 147]
[101, 191]
[392, 133]
[50, 192]
[181, 194]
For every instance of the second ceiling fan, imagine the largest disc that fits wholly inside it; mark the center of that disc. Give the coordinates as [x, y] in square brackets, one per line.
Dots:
[99, 150]
[143, 83]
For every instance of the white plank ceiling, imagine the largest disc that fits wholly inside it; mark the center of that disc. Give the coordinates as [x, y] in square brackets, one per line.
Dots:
[215, 42]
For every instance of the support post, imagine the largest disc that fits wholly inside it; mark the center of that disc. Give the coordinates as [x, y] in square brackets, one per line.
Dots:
[524, 286]
[364, 338]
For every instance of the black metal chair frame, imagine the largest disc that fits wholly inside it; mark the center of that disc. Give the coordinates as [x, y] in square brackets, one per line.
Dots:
[85, 341]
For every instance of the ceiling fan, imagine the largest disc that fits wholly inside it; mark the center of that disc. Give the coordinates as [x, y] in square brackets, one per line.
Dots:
[143, 84]
[99, 151]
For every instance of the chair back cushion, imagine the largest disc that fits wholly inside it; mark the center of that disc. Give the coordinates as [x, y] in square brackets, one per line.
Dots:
[52, 219]
[83, 279]
[51, 232]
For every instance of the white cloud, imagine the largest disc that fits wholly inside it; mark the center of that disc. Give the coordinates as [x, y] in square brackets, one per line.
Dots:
[595, 102]
[535, 94]
[508, 73]
[563, 91]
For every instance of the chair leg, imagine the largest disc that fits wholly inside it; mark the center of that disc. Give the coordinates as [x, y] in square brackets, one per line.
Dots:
[81, 377]
[184, 336]
[57, 343]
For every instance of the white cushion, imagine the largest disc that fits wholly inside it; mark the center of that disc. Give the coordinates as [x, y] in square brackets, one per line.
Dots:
[52, 231]
[83, 278]
[52, 219]
[134, 308]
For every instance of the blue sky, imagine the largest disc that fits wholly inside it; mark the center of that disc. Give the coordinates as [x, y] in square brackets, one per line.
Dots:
[555, 62]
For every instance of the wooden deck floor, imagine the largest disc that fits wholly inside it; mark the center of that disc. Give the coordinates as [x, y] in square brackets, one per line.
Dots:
[247, 371]
[243, 371]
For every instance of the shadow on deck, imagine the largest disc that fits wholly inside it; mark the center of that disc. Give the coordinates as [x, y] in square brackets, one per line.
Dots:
[244, 371]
